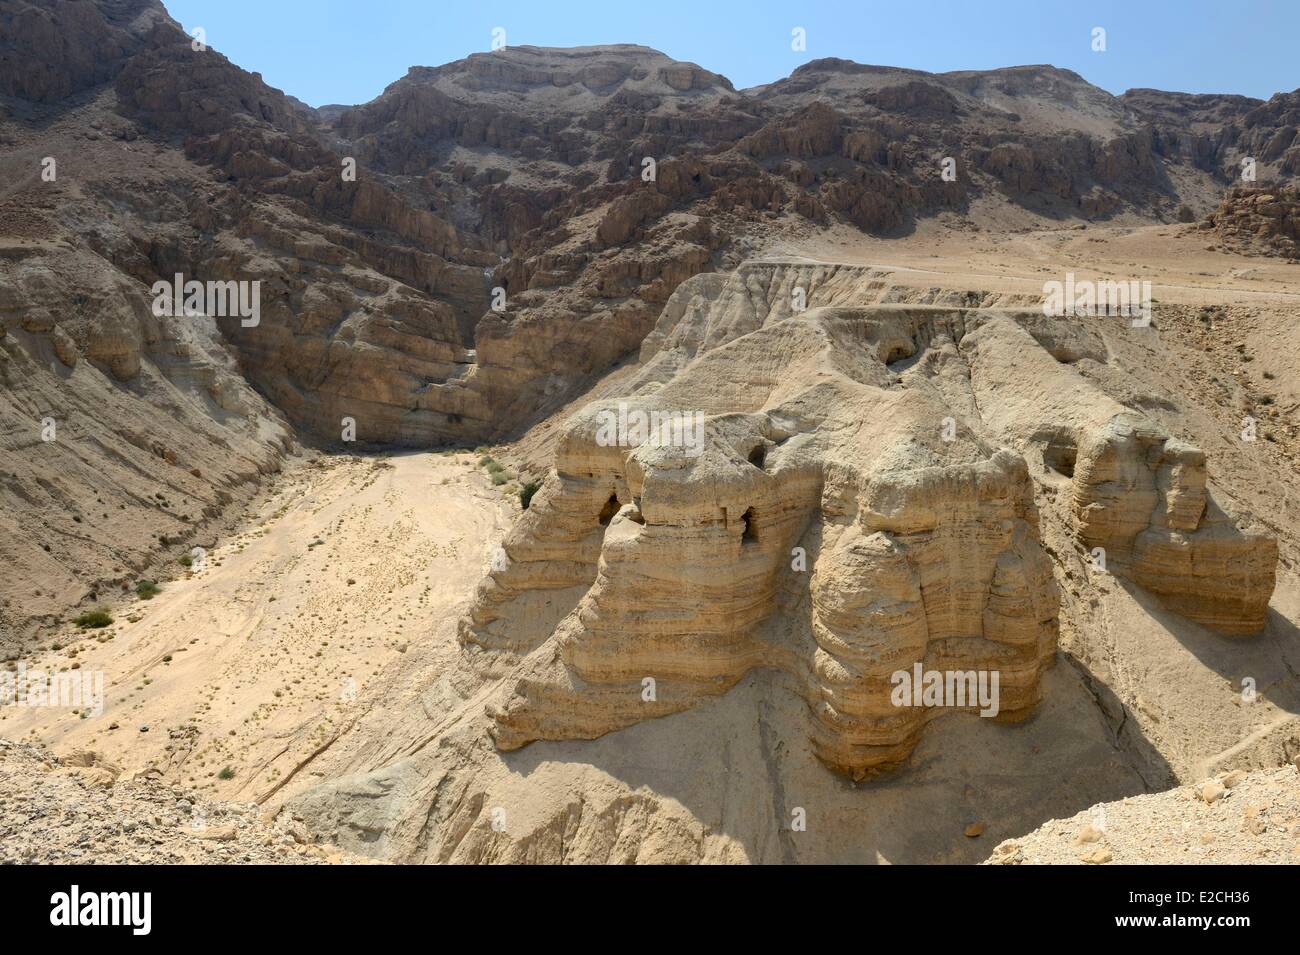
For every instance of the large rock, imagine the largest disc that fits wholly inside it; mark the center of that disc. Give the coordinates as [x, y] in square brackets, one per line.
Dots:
[821, 525]
[1138, 495]
[844, 514]
[1141, 497]
[1259, 220]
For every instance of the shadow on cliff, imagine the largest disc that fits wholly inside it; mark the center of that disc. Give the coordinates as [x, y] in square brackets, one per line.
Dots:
[742, 765]
[1261, 657]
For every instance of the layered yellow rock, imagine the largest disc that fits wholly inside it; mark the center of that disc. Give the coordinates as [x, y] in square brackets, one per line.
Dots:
[841, 492]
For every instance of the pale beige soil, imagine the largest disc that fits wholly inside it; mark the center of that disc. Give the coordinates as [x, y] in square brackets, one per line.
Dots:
[1139, 699]
[1184, 264]
[258, 660]
[1232, 819]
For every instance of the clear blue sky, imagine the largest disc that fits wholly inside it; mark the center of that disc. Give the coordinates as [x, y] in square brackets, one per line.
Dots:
[347, 51]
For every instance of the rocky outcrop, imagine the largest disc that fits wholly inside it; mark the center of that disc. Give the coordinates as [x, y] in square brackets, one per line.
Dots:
[1259, 220]
[812, 524]
[824, 430]
[524, 169]
[1141, 503]
[841, 512]
[1140, 496]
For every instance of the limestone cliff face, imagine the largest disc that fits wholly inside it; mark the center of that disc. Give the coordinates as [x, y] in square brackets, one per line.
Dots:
[1139, 494]
[820, 525]
[124, 437]
[524, 169]
[857, 501]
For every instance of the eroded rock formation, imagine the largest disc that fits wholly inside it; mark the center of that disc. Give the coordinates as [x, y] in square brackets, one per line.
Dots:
[1259, 220]
[1138, 494]
[857, 502]
[522, 169]
[125, 438]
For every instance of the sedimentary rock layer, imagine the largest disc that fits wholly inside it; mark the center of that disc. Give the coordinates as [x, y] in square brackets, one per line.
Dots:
[838, 491]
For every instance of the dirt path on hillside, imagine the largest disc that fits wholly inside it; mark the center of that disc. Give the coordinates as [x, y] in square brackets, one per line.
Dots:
[255, 659]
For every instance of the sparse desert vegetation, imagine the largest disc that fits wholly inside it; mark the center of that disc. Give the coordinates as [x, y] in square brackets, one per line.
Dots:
[93, 619]
[577, 455]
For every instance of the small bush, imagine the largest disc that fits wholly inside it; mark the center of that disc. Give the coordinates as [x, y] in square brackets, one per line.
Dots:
[93, 620]
[527, 491]
[498, 479]
[495, 468]
[485, 461]
[147, 590]
[185, 560]
[226, 773]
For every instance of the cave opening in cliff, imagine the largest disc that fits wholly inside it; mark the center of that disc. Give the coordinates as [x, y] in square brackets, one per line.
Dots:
[758, 456]
[1060, 455]
[750, 534]
[611, 508]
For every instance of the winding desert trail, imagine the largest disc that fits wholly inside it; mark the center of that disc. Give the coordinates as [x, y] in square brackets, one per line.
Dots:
[256, 661]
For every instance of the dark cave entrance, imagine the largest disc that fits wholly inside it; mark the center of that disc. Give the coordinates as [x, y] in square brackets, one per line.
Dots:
[1060, 457]
[749, 534]
[611, 508]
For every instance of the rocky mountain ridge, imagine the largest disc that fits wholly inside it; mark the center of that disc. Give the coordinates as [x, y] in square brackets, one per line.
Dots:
[524, 170]
[893, 467]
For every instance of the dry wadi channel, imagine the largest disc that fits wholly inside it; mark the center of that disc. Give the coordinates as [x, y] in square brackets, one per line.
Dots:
[381, 654]
[313, 661]
[238, 671]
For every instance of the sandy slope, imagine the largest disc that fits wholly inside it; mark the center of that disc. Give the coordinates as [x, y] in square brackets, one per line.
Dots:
[1184, 265]
[262, 643]
[259, 659]
[1234, 818]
